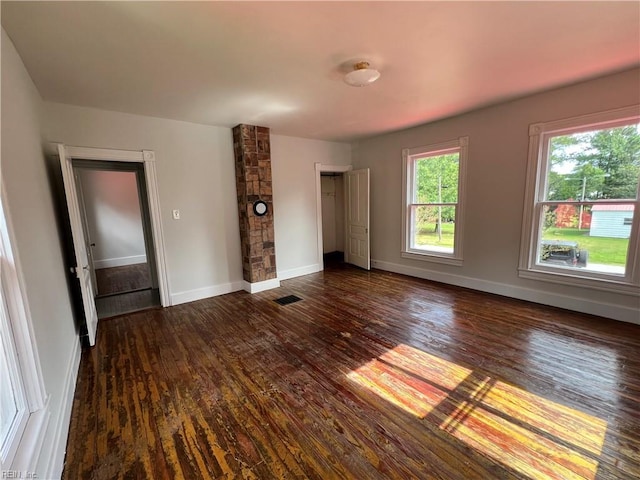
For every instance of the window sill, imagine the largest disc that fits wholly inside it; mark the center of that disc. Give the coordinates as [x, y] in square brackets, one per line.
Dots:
[432, 257]
[567, 278]
[32, 440]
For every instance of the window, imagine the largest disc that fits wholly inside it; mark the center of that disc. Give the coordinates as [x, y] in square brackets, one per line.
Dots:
[580, 220]
[13, 400]
[433, 207]
[23, 400]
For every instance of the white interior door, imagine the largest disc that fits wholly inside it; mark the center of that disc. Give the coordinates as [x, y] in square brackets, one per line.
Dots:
[358, 218]
[88, 242]
[82, 270]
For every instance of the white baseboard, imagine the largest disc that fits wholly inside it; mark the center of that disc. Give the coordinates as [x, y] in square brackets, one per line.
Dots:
[583, 305]
[215, 290]
[260, 286]
[205, 292]
[298, 272]
[120, 262]
[55, 465]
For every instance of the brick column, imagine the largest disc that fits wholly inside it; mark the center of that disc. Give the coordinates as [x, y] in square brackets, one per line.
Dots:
[252, 150]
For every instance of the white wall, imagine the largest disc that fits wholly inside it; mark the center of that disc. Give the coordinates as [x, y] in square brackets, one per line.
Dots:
[196, 174]
[40, 256]
[498, 143]
[294, 197]
[114, 219]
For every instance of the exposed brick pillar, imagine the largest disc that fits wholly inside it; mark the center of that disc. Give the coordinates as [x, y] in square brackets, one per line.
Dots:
[252, 150]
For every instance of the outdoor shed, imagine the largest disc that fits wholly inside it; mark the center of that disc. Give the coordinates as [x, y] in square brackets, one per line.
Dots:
[611, 221]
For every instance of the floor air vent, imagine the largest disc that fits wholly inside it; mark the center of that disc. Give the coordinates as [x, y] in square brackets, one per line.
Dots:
[287, 300]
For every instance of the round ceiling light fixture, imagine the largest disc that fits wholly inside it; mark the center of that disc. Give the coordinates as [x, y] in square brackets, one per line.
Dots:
[361, 75]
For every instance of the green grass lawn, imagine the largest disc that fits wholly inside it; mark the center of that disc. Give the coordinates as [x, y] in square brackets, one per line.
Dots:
[609, 251]
[427, 236]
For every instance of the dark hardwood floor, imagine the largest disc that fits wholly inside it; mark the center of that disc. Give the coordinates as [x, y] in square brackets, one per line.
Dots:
[372, 375]
[124, 290]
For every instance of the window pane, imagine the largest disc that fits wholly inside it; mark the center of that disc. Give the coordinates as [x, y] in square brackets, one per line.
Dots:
[8, 404]
[602, 164]
[436, 179]
[597, 240]
[433, 228]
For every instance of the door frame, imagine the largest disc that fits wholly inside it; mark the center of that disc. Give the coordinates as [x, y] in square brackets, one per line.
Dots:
[319, 168]
[148, 159]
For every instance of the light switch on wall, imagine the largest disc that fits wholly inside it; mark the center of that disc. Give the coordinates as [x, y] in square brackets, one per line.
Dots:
[176, 214]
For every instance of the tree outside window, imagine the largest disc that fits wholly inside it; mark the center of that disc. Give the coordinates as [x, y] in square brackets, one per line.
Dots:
[586, 169]
[433, 200]
[583, 221]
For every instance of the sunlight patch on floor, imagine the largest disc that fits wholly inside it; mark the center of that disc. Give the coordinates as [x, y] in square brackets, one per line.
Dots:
[403, 391]
[521, 430]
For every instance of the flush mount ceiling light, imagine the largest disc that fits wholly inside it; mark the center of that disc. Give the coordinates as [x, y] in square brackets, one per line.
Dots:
[361, 75]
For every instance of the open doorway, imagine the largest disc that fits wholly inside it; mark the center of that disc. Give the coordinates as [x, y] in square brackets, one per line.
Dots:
[333, 221]
[355, 214]
[77, 252]
[117, 234]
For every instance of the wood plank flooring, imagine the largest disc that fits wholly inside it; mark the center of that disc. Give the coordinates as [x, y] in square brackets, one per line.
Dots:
[372, 375]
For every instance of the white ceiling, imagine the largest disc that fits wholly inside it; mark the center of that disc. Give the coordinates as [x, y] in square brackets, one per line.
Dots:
[280, 64]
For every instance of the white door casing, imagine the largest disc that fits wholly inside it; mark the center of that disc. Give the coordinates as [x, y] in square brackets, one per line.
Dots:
[358, 244]
[82, 269]
[146, 157]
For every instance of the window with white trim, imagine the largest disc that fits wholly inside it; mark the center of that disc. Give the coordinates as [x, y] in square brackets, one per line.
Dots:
[23, 400]
[14, 410]
[433, 189]
[581, 214]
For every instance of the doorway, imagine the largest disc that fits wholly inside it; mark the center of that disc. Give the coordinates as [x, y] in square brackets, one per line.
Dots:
[355, 210]
[117, 234]
[333, 221]
[79, 262]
